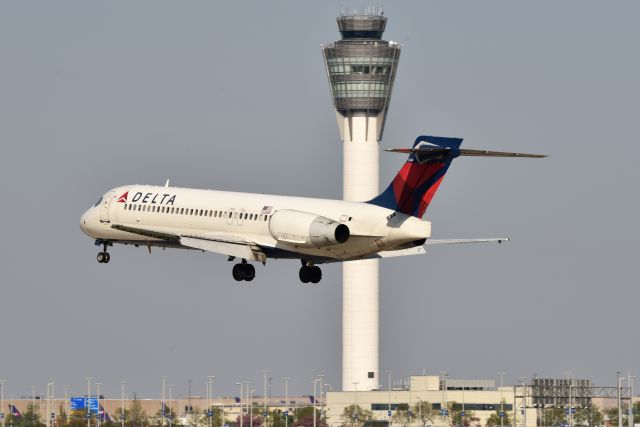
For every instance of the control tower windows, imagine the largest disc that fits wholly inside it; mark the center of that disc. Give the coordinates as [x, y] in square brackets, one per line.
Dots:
[359, 89]
[373, 66]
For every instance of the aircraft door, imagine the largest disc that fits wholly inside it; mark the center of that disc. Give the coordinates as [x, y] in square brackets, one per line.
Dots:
[105, 205]
[232, 214]
[241, 216]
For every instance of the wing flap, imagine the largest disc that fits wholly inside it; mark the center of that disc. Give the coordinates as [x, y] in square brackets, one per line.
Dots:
[238, 250]
[221, 244]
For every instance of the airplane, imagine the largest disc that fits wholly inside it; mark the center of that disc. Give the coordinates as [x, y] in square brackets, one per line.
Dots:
[256, 227]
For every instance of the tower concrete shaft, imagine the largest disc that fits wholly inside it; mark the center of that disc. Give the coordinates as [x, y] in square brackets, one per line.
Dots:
[361, 69]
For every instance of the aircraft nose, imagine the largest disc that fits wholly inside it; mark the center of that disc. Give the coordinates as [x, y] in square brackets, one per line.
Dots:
[84, 222]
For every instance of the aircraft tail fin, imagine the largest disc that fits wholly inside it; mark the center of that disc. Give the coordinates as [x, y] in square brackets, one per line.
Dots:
[416, 183]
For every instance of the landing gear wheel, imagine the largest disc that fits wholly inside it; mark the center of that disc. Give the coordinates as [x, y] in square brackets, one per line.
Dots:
[103, 257]
[244, 271]
[249, 272]
[310, 274]
[315, 274]
[304, 274]
[237, 273]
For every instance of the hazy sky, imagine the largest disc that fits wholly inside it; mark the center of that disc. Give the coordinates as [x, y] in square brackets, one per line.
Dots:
[234, 96]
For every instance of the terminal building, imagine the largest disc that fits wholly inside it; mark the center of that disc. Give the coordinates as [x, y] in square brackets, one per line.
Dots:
[479, 399]
[453, 402]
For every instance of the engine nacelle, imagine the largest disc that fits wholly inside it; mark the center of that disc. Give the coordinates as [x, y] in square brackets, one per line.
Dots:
[307, 229]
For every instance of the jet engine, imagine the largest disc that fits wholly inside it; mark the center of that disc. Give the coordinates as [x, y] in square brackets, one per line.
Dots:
[307, 229]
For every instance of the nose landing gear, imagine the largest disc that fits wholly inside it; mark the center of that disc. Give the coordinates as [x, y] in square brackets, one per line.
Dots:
[103, 257]
[310, 273]
[244, 271]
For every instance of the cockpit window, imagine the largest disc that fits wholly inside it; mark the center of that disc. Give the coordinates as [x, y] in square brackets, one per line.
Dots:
[98, 202]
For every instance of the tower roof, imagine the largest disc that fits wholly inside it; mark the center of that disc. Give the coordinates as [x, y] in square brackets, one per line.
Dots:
[361, 26]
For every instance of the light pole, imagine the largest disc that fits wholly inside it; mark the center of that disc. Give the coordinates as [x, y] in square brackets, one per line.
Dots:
[122, 411]
[240, 403]
[619, 400]
[88, 401]
[209, 405]
[207, 387]
[515, 408]
[2, 382]
[251, 408]
[462, 413]
[443, 405]
[388, 396]
[33, 403]
[322, 403]
[248, 391]
[66, 401]
[162, 406]
[50, 391]
[569, 375]
[47, 409]
[189, 408]
[315, 422]
[524, 401]
[99, 415]
[630, 380]
[286, 401]
[170, 387]
[264, 399]
[501, 374]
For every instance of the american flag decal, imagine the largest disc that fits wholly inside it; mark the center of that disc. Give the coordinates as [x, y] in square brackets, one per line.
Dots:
[266, 210]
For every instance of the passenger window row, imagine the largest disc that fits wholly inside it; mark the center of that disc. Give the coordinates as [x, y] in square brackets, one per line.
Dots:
[195, 212]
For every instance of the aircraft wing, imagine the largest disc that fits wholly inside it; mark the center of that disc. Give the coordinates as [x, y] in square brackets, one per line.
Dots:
[223, 244]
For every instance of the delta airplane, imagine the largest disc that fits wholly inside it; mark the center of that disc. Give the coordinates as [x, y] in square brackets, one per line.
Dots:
[255, 227]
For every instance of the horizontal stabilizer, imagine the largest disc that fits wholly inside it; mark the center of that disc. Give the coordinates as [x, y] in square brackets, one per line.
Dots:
[458, 241]
[487, 153]
[463, 152]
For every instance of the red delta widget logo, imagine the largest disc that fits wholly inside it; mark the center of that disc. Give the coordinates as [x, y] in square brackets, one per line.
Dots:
[123, 198]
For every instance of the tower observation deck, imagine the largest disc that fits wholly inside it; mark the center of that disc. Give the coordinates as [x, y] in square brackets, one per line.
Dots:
[361, 68]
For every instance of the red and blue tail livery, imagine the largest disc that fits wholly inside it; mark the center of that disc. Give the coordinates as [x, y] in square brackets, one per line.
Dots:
[416, 183]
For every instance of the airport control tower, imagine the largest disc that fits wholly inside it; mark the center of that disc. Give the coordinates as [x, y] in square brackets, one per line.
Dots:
[361, 69]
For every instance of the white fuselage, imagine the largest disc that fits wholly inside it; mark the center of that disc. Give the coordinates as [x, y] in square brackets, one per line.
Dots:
[246, 216]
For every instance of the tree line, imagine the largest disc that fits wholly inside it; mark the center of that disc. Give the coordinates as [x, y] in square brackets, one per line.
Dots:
[136, 416]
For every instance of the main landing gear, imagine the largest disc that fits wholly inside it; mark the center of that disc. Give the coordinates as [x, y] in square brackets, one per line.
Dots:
[244, 271]
[309, 273]
[103, 257]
